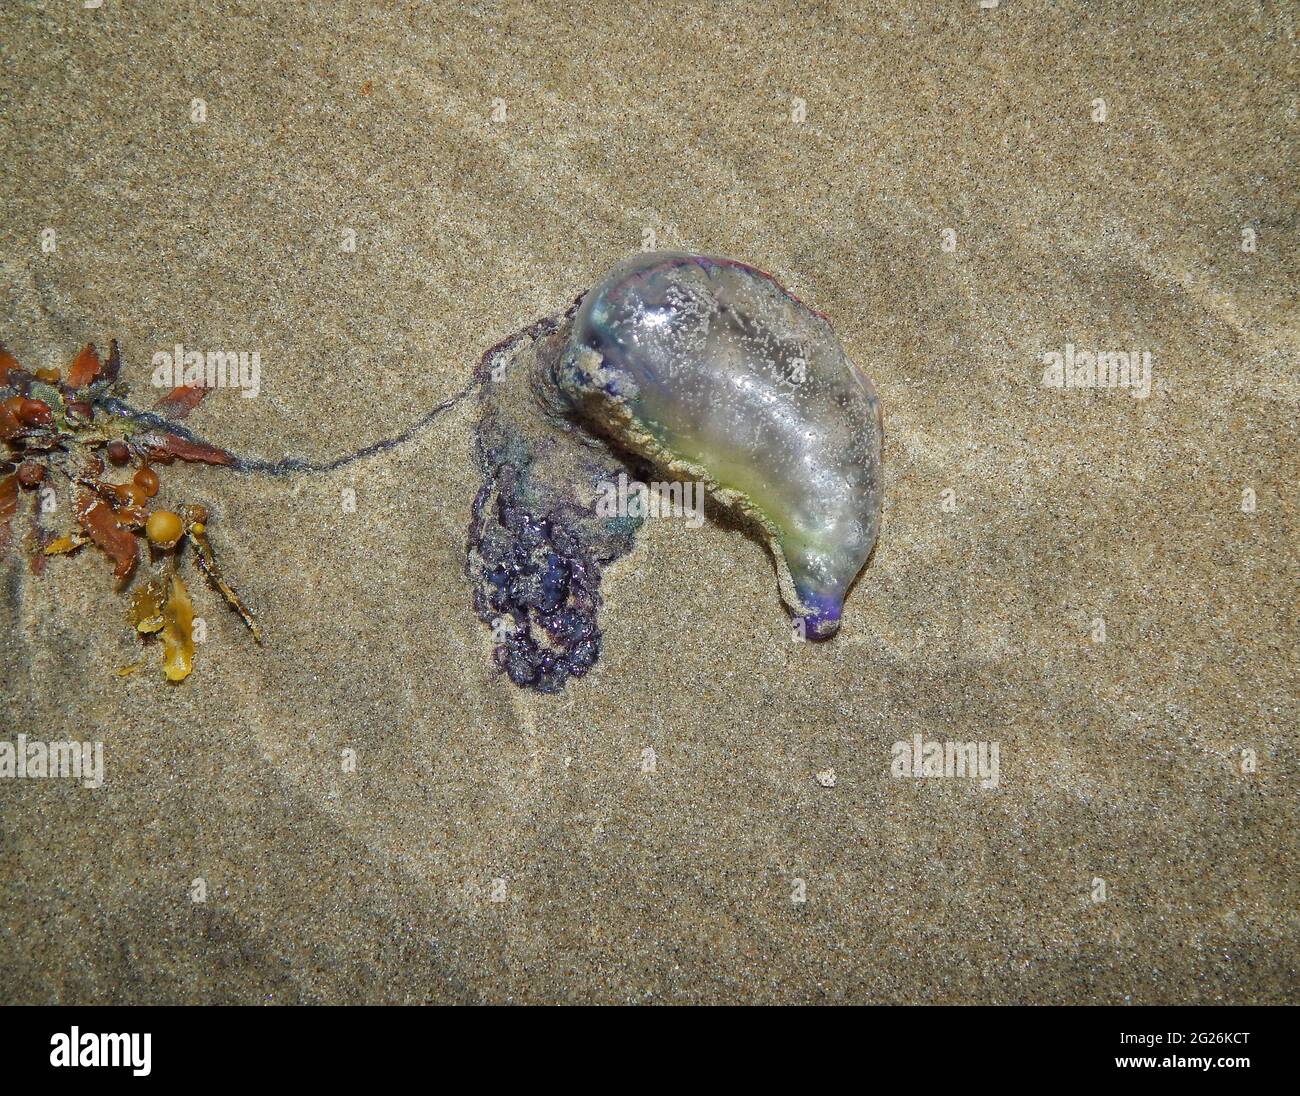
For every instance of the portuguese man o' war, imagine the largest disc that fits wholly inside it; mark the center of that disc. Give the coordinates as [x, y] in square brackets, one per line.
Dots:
[708, 368]
[699, 367]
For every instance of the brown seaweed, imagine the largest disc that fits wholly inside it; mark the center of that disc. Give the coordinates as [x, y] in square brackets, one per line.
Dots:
[58, 431]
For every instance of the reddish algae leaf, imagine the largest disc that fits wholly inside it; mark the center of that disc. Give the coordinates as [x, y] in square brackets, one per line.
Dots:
[84, 367]
[180, 401]
[163, 448]
[101, 525]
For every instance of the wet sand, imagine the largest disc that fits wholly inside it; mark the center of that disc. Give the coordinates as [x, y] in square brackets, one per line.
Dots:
[938, 182]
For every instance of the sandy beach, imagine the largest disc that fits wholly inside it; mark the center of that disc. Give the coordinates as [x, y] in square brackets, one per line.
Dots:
[1099, 580]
